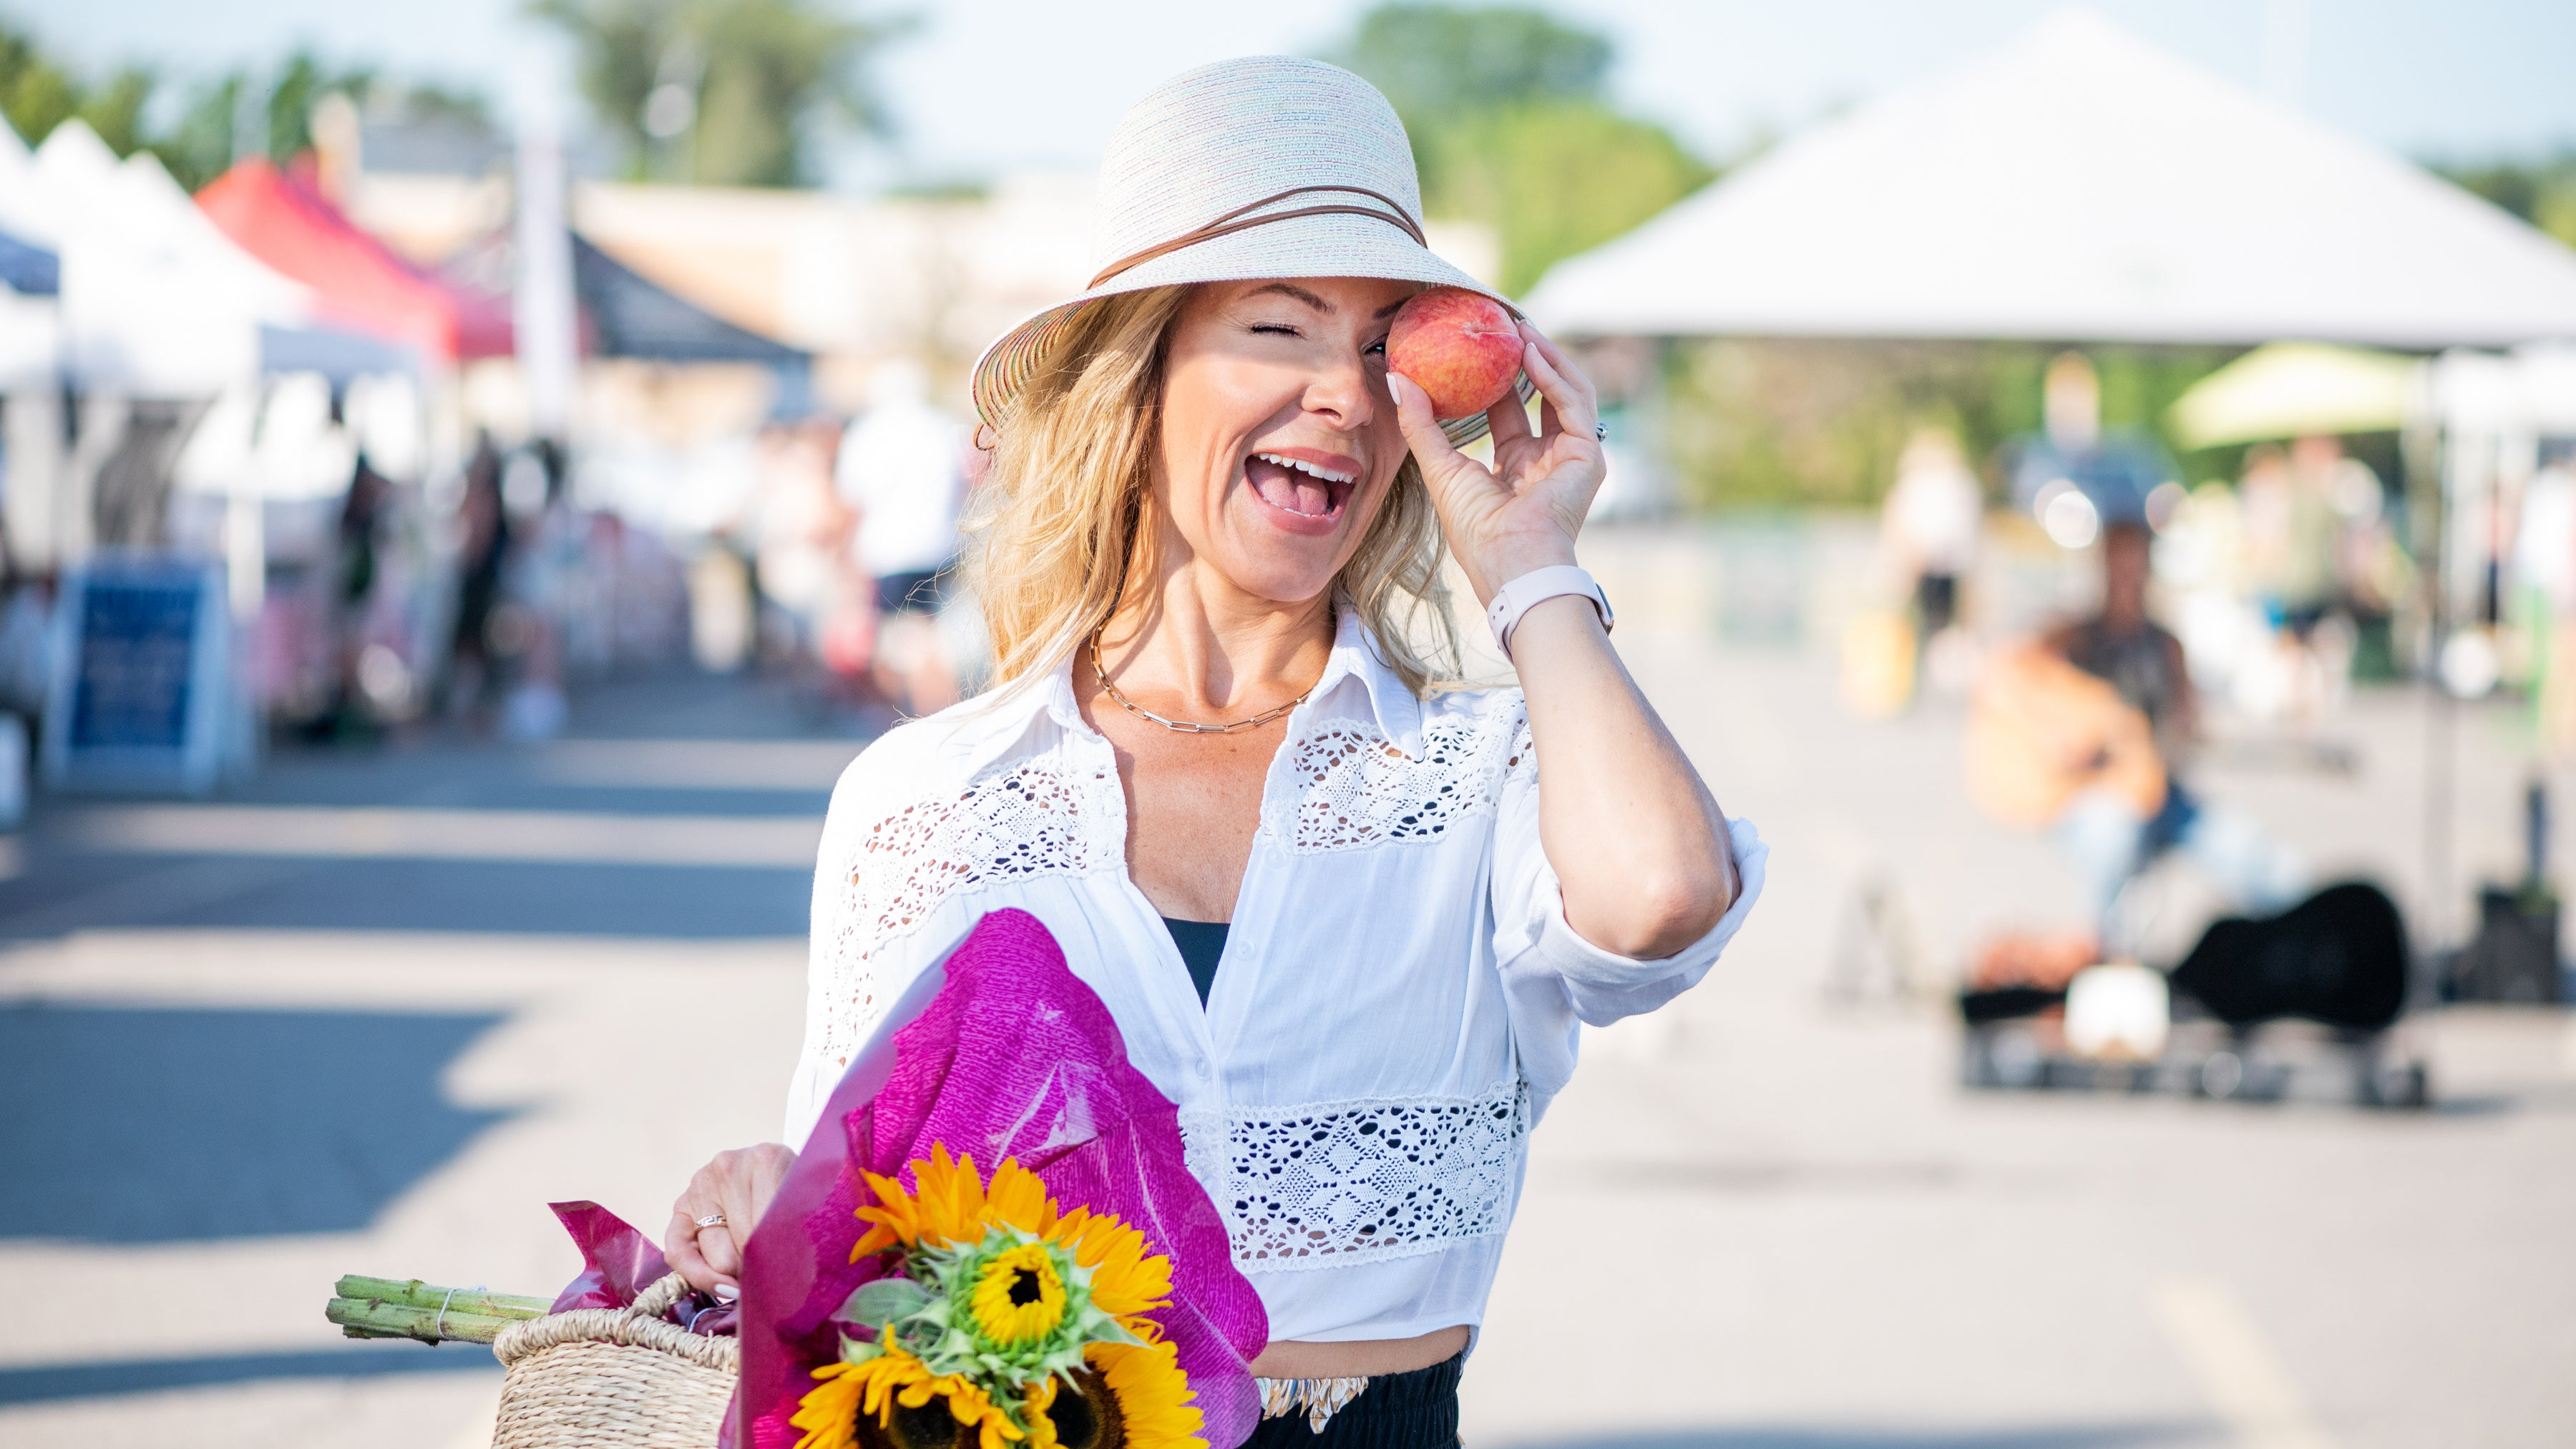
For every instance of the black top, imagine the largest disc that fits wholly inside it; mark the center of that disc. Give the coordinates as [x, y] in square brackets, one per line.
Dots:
[1201, 943]
[2145, 665]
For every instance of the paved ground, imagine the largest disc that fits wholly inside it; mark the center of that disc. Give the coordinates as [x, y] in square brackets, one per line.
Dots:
[370, 1014]
[1772, 1221]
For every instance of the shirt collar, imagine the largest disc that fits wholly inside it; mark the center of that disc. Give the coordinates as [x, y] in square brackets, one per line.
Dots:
[1356, 654]
[994, 724]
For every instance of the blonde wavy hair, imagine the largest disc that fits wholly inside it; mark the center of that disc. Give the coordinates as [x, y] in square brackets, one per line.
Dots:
[1057, 525]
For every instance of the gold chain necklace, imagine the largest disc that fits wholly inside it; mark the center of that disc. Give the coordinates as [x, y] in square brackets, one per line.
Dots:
[1182, 726]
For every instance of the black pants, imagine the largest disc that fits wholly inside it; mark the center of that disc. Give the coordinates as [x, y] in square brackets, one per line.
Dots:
[1418, 1410]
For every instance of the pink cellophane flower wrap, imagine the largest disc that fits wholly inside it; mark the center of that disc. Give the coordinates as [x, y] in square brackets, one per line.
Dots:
[617, 1261]
[1014, 1057]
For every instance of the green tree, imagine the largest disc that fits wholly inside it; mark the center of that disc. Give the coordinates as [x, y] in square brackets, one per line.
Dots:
[1439, 62]
[1560, 177]
[303, 80]
[114, 108]
[1512, 127]
[202, 140]
[1777, 422]
[198, 145]
[723, 92]
[2541, 190]
[36, 95]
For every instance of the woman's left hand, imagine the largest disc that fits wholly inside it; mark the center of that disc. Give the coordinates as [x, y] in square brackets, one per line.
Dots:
[1523, 512]
[716, 1215]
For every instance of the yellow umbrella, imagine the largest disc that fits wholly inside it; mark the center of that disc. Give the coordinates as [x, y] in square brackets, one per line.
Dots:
[2293, 390]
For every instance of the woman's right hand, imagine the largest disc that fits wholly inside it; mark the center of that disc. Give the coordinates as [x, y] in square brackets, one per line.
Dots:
[737, 1187]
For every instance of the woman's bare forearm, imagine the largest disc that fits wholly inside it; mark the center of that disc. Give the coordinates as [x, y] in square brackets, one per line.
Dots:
[1637, 841]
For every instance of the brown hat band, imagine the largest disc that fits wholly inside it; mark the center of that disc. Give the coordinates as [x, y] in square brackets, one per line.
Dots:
[1236, 220]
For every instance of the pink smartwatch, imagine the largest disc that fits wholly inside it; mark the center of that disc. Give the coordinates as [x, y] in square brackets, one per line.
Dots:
[1517, 597]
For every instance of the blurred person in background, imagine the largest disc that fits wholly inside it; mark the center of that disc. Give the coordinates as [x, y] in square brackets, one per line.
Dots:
[483, 546]
[2544, 568]
[2119, 800]
[348, 607]
[798, 530]
[900, 475]
[2290, 531]
[2072, 458]
[1928, 531]
[26, 661]
[2292, 539]
[2373, 573]
[541, 581]
[2087, 730]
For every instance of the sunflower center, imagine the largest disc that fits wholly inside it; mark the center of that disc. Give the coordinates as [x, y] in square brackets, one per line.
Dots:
[1025, 1288]
[1085, 1414]
[928, 1426]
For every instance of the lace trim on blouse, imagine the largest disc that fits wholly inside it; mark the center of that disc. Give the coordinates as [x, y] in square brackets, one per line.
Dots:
[1336, 1184]
[1019, 821]
[1355, 788]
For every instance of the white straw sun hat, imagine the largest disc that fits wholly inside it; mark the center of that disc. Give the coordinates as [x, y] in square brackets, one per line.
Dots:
[1263, 166]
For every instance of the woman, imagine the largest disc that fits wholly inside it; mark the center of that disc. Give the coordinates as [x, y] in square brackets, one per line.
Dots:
[1342, 920]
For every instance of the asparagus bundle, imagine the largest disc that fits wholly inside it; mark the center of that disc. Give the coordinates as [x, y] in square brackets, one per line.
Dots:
[382, 1308]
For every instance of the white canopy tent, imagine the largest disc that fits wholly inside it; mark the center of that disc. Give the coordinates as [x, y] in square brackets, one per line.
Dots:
[156, 301]
[21, 213]
[158, 311]
[2079, 185]
[30, 327]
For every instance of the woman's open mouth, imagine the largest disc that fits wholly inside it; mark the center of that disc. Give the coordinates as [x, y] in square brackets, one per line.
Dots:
[1305, 493]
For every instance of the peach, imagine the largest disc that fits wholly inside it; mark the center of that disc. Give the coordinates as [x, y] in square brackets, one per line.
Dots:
[1461, 346]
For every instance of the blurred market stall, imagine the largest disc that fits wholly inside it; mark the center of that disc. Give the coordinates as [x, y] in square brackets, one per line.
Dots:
[289, 225]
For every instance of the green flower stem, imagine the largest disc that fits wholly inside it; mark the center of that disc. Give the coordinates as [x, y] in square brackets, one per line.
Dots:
[402, 1320]
[384, 1308]
[431, 1295]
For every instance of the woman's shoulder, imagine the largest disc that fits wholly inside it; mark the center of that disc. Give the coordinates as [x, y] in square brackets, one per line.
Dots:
[1490, 715]
[1472, 701]
[936, 758]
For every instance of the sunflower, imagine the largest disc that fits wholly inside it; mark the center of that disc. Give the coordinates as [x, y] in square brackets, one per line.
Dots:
[1012, 1308]
[948, 1203]
[883, 1388]
[1148, 1401]
[829, 1412]
[1018, 1294]
[1128, 1279]
[951, 1206]
[1008, 1309]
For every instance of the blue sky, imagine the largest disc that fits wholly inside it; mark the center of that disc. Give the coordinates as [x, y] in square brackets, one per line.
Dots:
[990, 84]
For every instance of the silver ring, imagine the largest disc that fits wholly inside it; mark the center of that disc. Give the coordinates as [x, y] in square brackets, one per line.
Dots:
[1600, 432]
[712, 1220]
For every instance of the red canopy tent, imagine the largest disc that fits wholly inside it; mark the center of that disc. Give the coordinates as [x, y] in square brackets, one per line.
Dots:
[287, 224]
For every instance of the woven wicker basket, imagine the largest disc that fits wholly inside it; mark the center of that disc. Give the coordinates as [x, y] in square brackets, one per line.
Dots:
[610, 1378]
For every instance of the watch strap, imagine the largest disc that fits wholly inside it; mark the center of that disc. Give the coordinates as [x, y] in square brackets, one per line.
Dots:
[1517, 597]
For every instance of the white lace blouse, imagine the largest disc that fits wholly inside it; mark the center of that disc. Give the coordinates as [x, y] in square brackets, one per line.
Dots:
[1398, 998]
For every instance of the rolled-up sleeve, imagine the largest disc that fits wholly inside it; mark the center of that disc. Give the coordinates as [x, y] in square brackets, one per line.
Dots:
[1555, 980]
